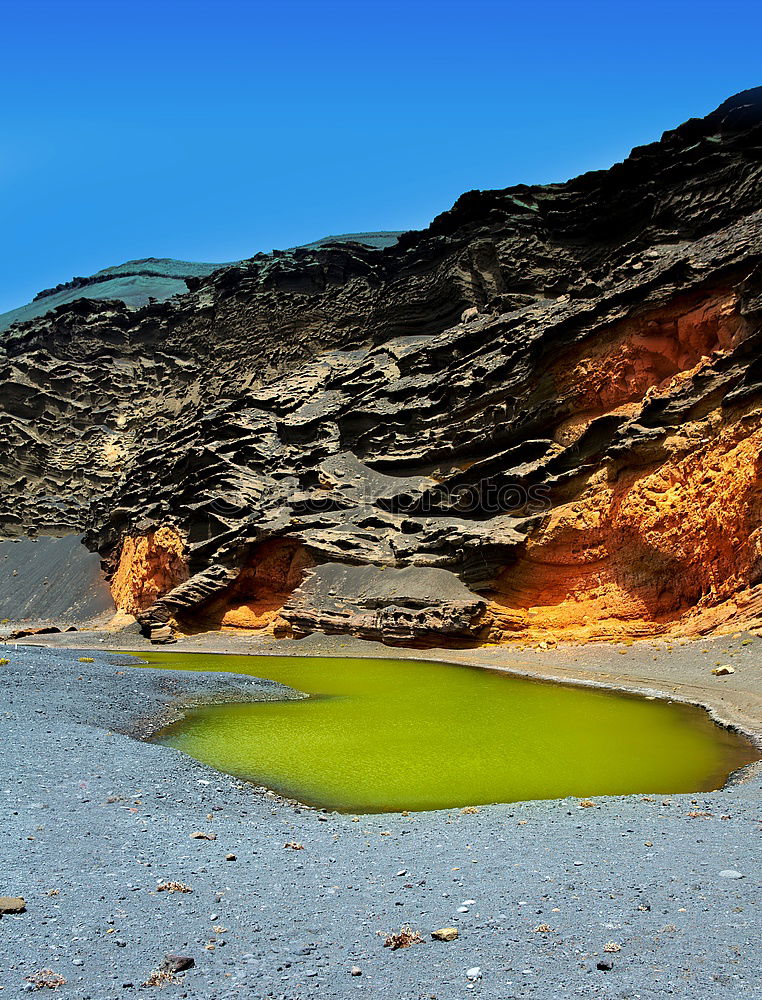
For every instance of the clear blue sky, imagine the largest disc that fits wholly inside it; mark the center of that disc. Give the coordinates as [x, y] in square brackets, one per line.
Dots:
[211, 130]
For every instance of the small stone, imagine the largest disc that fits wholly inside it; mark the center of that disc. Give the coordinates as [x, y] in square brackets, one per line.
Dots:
[723, 670]
[177, 963]
[462, 909]
[355, 971]
[230, 857]
[731, 873]
[474, 973]
[12, 904]
[77, 961]
[605, 965]
[200, 835]
[445, 934]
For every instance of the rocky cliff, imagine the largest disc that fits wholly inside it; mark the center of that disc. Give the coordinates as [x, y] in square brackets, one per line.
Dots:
[540, 417]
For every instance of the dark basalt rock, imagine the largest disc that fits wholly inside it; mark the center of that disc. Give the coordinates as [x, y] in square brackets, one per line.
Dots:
[487, 417]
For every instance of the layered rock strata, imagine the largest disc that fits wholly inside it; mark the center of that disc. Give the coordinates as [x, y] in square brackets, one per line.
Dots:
[538, 418]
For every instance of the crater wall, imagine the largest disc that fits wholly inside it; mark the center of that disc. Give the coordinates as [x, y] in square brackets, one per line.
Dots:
[538, 418]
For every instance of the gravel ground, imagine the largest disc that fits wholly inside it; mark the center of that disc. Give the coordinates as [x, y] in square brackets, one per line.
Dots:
[94, 819]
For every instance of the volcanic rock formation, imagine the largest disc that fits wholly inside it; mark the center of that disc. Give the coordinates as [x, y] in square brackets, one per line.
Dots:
[540, 417]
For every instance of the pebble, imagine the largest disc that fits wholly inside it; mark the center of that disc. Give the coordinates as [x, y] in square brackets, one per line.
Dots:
[474, 973]
[445, 934]
[355, 971]
[177, 963]
[12, 904]
[731, 873]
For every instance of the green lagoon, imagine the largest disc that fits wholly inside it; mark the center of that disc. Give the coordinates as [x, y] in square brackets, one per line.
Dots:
[379, 735]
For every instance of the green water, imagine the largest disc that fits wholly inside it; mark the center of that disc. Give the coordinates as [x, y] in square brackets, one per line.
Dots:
[386, 735]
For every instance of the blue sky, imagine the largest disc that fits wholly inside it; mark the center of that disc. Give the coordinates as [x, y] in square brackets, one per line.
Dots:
[212, 130]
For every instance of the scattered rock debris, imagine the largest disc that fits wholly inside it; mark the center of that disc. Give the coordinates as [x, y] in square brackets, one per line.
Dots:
[403, 939]
[46, 979]
[160, 977]
[173, 887]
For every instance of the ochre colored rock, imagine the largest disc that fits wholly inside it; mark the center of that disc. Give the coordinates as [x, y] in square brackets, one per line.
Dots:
[149, 566]
[669, 545]
[12, 904]
[254, 599]
[445, 934]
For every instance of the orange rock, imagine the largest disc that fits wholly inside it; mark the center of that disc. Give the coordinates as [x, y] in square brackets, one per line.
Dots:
[149, 567]
[673, 545]
[254, 600]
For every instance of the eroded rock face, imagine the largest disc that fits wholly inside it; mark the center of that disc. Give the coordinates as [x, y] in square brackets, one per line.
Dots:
[539, 417]
[255, 598]
[149, 566]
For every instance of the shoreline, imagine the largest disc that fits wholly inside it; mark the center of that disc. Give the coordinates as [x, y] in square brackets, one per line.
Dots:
[95, 819]
[733, 702]
[623, 685]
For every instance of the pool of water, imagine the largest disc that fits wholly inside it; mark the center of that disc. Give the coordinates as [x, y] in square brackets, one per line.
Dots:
[387, 735]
